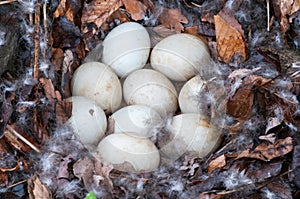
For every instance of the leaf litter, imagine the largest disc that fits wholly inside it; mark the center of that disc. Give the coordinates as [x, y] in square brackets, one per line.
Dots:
[257, 69]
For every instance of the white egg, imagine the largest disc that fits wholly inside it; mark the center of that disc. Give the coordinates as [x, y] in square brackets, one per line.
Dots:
[129, 153]
[189, 95]
[96, 81]
[151, 88]
[180, 57]
[126, 48]
[88, 120]
[190, 133]
[137, 119]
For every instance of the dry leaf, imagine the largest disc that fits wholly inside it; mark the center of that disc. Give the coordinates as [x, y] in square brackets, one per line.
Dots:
[158, 33]
[193, 30]
[173, 19]
[64, 9]
[136, 9]
[98, 11]
[240, 104]
[283, 10]
[267, 151]
[217, 163]
[229, 36]
[84, 169]
[37, 190]
[62, 108]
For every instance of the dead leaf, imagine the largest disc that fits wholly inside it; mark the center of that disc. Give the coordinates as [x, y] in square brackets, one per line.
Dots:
[279, 188]
[284, 10]
[68, 9]
[84, 169]
[273, 122]
[217, 163]
[269, 137]
[98, 11]
[240, 104]
[173, 19]
[267, 151]
[229, 36]
[57, 58]
[158, 33]
[295, 174]
[136, 9]
[62, 108]
[263, 170]
[37, 190]
[193, 30]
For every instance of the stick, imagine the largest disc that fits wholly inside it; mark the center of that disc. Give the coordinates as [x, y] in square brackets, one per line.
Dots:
[22, 138]
[36, 42]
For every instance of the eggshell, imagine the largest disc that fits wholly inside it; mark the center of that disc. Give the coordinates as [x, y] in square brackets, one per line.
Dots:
[137, 119]
[189, 95]
[151, 88]
[129, 153]
[126, 48]
[88, 120]
[190, 133]
[180, 57]
[96, 81]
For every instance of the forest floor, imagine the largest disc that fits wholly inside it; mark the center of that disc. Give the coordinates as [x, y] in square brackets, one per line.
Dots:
[255, 95]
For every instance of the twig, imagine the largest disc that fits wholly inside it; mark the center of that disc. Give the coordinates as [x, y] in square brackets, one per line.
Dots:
[22, 138]
[36, 41]
[15, 184]
[7, 2]
[268, 15]
[45, 29]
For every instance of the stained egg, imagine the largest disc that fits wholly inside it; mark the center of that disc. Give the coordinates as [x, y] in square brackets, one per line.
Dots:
[96, 81]
[88, 120]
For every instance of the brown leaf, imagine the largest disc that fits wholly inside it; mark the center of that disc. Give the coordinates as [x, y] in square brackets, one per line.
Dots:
[84, 169]
[217, 163]
[279, 188]
[230, 37]
[98, 11]
[240, 104]
[136, 9]
[283, 10]
[62, 108]
[193, 30]
[158, 33]
[64, 9]
[267, 151]
[57, 58]
[36, 189]
[173, 19]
